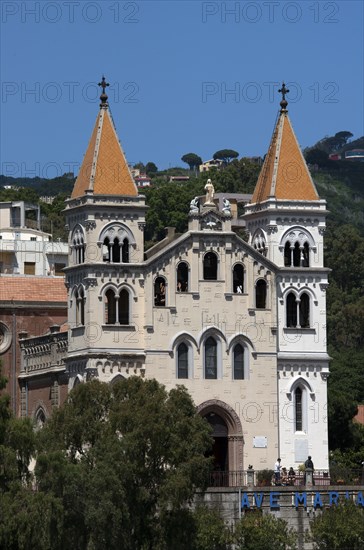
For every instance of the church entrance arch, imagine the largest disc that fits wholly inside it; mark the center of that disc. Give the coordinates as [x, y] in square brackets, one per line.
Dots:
[228, 439]
[220, 445]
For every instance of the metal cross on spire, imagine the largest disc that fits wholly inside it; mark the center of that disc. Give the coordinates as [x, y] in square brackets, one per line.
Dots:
[284, 102]
[103, 95]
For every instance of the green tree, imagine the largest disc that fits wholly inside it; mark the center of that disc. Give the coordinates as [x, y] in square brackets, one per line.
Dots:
[331, 144]
[344, 255]
[140, 166]
[317, 156]
[30, 520]
[345, 326]
[344, 136]
[341, 410]
[258, 531]
[211, 532]
[192, 160]
[226, 155]
[151, 168]
[338, 528]
[123, 455]
[17, 444]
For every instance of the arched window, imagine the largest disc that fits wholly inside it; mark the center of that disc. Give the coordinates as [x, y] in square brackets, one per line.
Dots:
[74, 251]
[298, 244]
[210, 266]
[287, 254]
[110, 307]
[40, 419]
[82, 252]
[78, 245]
[117, 239]
[304, 310]
[117, 378]
[291, 310]
[79, 297]
[296, 255]
[238, 279]
[211, 358]
[125, 251]
[298, 310]
[79, 250]
[182, 277]
[111, 250]
[124, 307]
[116, 251]
[82, 306]
[259, 243]
[182, 361]
[298, 410]
[260, 294]
[160, 292]
[76, 306]
[106, 253]
[238, 357]
[306, 255]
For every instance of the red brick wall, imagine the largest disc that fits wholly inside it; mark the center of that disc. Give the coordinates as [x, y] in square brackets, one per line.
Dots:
[35, 322]
[63, 391]
[39, 393]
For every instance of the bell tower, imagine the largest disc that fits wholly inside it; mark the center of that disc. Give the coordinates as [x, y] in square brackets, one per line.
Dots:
[106, 219]
[286, 223]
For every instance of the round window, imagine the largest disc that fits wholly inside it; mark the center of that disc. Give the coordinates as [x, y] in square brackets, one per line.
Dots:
[5, 337]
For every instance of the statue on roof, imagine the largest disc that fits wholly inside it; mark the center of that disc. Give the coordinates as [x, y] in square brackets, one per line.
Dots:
[210, 192]
[227, 207]
[194, 204]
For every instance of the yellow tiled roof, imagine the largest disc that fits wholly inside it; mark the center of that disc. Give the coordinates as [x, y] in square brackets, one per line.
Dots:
[284, 174]
[104, 168]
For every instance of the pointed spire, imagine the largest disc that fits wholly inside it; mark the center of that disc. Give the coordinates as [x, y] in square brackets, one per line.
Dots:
[284, 174]
[104, 170]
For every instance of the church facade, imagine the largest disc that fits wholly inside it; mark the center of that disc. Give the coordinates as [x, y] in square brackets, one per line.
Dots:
[242, 325]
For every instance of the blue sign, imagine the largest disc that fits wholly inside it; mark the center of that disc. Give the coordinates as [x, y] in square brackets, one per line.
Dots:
[300, 498]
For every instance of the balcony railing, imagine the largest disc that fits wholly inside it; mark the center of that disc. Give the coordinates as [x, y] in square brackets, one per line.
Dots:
[336, 476]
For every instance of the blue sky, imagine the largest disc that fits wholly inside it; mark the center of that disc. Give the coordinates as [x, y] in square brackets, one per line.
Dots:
[185, 76]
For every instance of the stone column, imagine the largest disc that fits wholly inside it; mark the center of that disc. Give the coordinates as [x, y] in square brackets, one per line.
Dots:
[309, 477]
[250, 477]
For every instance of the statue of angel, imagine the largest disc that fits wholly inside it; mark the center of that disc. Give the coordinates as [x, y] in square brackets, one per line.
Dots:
[227, 206]
[194, 205]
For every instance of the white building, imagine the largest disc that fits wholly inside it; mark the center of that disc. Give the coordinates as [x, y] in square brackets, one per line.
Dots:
[212, 163]
[24, 248]
[241, 325]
